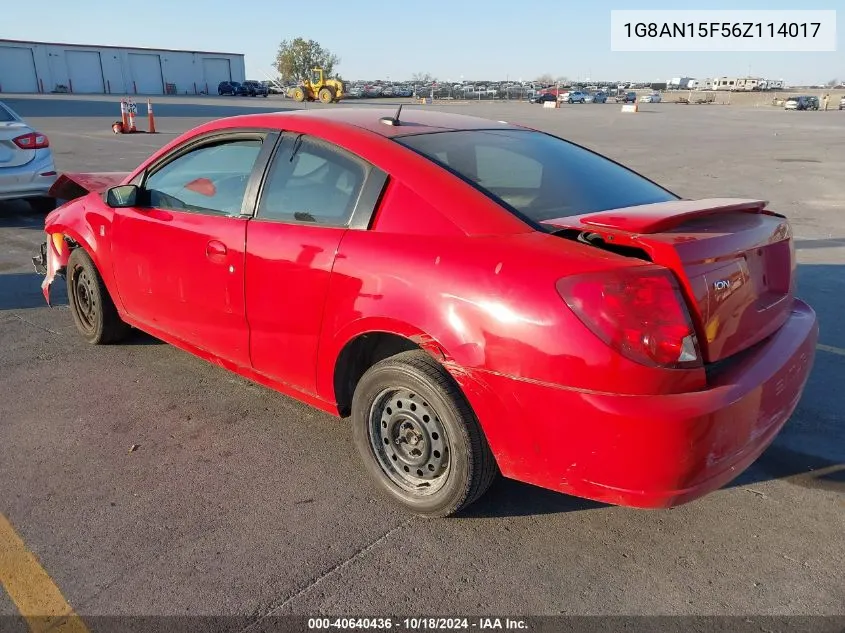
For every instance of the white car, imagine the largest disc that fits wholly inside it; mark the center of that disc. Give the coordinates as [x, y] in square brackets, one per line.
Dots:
[654, 97]
[27, 170]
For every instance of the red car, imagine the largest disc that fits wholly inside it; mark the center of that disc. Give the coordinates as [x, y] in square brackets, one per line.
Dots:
[478, 297]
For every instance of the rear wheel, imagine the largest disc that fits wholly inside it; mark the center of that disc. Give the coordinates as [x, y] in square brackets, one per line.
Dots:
[93, 311]
[418, 436]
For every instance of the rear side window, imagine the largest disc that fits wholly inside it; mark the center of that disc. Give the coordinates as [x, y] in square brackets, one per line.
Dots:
[314, 182]
[536, 175]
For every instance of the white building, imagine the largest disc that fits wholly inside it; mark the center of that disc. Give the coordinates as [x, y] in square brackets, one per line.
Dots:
[53, 67]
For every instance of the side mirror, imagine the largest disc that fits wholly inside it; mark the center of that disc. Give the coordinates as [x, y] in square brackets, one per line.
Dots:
[122, 196]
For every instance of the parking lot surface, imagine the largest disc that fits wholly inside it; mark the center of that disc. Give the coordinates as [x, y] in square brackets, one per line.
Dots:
[237, 500]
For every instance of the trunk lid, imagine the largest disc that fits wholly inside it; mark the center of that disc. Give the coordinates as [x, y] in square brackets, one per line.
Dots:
[10, 154]
[733, 257]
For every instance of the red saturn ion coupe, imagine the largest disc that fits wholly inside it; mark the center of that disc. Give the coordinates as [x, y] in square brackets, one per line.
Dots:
[478, 297]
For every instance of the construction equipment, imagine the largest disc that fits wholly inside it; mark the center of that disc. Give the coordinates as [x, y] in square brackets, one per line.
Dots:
[318, 88]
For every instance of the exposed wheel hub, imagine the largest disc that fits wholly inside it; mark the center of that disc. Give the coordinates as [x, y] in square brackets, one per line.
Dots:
[409, 441]
[85, 299]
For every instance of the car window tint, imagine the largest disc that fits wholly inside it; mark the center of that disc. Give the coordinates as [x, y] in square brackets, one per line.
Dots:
[498, 167]
[537, 175]
[211, 179]
[320, 184]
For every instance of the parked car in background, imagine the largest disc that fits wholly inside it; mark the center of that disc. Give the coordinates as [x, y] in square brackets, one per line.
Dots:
[626, 97]
[256, 88]
[654, 97]
[542, 98]
[272, 87]
[576, 96]
[802, 102]
[234, 88]
[842, 103]
[27, 170]
[598, 97]
[475, 297]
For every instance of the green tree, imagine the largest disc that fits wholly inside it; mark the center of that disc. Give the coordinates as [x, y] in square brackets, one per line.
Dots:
[297, 57]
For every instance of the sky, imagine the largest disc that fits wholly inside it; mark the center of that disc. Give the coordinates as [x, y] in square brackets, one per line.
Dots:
[450, 39]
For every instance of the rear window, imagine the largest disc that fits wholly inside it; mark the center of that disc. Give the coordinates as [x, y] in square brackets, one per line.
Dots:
[538, 176]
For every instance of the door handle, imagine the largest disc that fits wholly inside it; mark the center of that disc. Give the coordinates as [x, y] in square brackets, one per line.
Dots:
[215, 249]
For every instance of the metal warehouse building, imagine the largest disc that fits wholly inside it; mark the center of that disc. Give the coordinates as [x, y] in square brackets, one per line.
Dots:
[52, 67]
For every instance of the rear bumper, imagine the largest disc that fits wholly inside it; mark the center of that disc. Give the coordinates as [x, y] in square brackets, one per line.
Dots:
[649, 451]
[27, 180]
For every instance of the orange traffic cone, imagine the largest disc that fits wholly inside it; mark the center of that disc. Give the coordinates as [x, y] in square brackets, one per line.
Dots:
[151, 118]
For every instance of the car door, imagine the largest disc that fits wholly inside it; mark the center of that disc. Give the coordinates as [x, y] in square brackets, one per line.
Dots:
[179, 256]
[314, 192]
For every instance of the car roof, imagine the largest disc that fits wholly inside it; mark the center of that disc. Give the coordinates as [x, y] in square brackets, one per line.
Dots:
[412, 120]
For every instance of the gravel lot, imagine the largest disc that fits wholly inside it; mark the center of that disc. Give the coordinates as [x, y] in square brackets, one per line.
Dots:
[241, 501]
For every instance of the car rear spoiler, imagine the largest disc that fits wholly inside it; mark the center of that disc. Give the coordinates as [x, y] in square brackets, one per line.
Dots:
[70, 186]
[662, 216]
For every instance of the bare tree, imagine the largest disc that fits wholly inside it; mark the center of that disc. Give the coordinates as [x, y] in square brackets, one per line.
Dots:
[545, 78]
[832, 83]
[422, 78]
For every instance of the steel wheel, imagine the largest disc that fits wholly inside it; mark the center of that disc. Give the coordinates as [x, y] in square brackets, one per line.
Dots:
[84, 299]
[91, 307]
[409, 441]
[417, 436]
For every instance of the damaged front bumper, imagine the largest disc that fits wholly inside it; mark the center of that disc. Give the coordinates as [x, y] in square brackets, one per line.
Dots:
[48, 262]
[40, 260]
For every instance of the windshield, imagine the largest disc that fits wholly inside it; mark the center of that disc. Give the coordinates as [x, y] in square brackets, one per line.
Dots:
[538, 176]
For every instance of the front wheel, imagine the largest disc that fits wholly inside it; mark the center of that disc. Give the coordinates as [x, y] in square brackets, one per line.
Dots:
[419, 438]
[93, 311]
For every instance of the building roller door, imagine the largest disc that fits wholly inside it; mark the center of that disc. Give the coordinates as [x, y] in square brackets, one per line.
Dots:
[17, 70]
[85, 71]
[215, 70]
[145, 69]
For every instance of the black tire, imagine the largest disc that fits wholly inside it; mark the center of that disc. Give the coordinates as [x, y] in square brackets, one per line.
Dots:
[412, 399]
[91, 306]
[42, 205]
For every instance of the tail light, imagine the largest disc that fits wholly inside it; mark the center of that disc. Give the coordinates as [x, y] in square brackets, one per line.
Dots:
[639, 311]
[33, 140]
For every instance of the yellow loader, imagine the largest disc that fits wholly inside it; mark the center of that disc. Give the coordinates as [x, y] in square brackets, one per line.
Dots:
[318, 88]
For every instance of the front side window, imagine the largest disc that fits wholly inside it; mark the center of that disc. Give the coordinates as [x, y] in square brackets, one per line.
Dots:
[211, 179]
[313, 182]
[538, 176]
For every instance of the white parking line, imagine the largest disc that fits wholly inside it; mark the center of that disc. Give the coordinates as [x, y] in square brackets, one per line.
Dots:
[831, 349]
